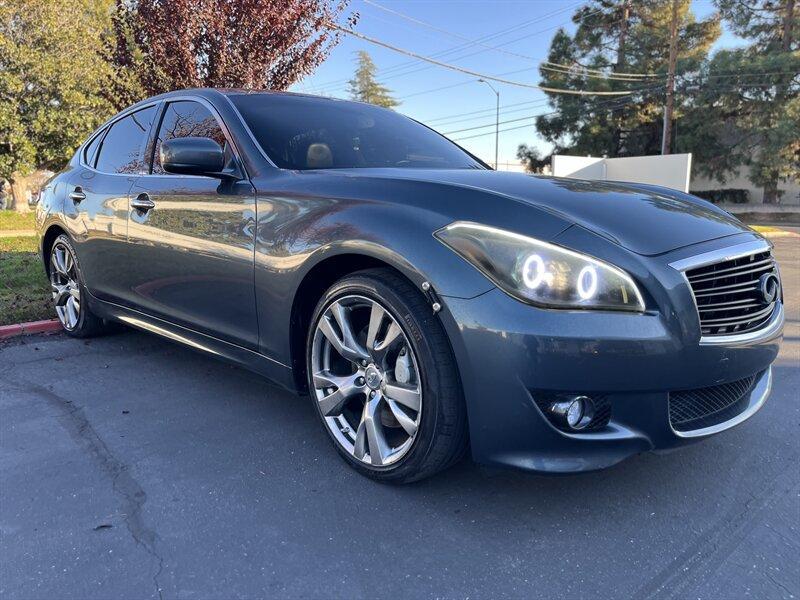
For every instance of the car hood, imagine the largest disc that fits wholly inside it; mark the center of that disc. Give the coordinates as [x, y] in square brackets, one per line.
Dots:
[645, 219]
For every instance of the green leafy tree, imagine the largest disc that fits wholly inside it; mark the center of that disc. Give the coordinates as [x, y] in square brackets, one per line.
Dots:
[614, 39]
[365, 88]
[532, 159]
[51, 78]
[745, 103]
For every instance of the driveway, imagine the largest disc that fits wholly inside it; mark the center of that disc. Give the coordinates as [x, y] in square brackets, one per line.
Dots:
[131, 467]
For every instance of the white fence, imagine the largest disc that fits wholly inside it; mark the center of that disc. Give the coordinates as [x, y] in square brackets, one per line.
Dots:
[672, 171]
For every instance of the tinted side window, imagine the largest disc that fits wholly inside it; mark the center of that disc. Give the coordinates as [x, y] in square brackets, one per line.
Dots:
[187, 119]
[90, 152]
[122, 150]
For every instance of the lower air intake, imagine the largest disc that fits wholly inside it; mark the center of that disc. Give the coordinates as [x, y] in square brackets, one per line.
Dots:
[706, 407]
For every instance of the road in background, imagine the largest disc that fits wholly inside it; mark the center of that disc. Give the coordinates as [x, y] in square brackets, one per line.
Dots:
[134, 468]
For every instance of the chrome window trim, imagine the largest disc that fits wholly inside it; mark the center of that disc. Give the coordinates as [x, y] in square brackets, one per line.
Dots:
[251, 134]
[758, 396]
[220, 121]
[772, 327]
[103, 130]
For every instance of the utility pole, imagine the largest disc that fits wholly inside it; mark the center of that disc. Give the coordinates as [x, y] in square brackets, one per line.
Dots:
[619, 67]
[496, 122]
[673, 56]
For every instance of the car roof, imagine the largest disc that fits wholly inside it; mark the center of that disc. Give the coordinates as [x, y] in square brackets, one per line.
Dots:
[219, 93]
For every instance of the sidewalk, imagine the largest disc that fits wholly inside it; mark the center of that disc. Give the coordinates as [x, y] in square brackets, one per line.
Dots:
[777, 214]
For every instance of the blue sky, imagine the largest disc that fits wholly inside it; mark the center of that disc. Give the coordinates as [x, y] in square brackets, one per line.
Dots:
[440, 97]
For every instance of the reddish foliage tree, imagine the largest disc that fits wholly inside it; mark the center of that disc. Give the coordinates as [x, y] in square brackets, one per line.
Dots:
[162, 45]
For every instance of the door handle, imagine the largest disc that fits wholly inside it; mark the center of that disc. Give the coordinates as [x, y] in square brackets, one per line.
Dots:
[77, 195]
[143, 203]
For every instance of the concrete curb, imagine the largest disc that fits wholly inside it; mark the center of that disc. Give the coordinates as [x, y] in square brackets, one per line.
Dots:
[48, 326]
[779, 234]
[773, 232]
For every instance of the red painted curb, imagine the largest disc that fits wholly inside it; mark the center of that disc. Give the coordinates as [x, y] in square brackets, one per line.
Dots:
[48, 326]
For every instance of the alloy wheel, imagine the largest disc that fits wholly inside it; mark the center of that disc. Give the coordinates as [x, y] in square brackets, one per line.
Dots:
[366, 380]
[64, 286]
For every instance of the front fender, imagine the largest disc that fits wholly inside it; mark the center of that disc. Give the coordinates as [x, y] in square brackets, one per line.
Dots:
[295, 236]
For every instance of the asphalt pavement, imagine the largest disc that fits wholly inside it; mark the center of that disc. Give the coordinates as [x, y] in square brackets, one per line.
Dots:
[131, 467]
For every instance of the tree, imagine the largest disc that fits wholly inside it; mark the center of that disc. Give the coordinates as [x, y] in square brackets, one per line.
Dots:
[746, 101]
[532, 159]
[365, 88]
[614, 39]
[51, 76]
[160, 46]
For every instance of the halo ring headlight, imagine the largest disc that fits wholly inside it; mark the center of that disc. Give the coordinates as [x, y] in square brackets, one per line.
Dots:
[542, 273]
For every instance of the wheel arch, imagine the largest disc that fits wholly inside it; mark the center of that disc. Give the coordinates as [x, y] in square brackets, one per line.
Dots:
[48, 238]
[314, 284]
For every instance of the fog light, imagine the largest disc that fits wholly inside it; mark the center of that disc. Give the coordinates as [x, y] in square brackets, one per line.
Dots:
[573, 413]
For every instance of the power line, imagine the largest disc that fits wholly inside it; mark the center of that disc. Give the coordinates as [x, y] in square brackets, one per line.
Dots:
[515, 120]
[525, 118]
[600, 71]
[469, 137]
[452, 119]
[581, 72]
[450, 33]
[607, 104]
[452, 85]
[456, 49]
[433, 61]
[460, 47]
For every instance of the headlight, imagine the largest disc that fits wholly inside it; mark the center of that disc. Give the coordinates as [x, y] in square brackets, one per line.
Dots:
[540, 273]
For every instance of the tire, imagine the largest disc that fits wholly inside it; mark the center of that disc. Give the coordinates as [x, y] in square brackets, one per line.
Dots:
[66, 279]
[421, 362]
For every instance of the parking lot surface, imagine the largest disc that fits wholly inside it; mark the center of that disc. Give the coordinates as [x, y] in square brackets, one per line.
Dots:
[131, 467]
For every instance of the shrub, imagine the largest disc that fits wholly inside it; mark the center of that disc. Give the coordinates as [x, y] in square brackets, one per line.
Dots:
[733, 196]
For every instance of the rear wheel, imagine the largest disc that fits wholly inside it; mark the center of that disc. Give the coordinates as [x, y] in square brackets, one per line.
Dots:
[383, 378]
[68, 291]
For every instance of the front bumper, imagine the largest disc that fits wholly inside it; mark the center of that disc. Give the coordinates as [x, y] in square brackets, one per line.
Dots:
[507, 352]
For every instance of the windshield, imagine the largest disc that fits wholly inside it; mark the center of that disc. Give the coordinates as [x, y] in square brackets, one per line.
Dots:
[299, 132]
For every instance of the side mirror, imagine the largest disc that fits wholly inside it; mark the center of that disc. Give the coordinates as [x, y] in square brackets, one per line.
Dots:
[192, 156]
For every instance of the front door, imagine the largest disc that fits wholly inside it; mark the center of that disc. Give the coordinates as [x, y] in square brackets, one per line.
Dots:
[191, 239]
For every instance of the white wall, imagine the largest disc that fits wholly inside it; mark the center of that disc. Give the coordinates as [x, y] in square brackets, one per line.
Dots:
[578, 167]
[739, 180]
[671, 171]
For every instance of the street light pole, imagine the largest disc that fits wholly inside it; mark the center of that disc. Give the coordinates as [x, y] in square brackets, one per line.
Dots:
[496, 123]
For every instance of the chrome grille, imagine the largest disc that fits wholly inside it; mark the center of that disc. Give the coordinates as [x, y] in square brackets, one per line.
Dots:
[705, 407]
[728, 295]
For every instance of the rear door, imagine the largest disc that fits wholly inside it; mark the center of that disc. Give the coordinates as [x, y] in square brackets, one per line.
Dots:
[96, 204]
[190, 256]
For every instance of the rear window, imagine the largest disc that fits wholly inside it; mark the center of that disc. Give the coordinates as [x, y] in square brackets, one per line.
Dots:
[297, 132]
[122, 150]
[90, 151]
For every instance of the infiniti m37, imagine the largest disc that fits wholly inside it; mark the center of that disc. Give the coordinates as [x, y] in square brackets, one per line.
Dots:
[428, 305]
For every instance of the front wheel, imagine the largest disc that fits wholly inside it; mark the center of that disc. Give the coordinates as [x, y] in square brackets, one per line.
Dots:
[384, 380]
